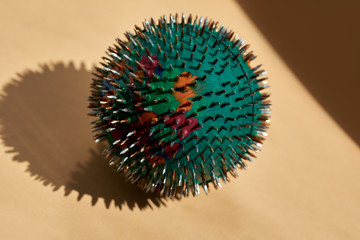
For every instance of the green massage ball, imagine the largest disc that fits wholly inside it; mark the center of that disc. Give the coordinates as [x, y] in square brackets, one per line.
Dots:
[179, 105]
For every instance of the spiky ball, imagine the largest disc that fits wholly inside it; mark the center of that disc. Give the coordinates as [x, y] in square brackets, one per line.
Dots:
[179, 105]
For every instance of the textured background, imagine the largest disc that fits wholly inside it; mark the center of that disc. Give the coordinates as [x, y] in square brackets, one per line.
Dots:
[55, 185]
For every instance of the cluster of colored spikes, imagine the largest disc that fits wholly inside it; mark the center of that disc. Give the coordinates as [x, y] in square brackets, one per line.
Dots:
[180, 105]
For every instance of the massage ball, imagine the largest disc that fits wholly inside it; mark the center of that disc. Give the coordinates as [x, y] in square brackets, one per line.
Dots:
[179, 105]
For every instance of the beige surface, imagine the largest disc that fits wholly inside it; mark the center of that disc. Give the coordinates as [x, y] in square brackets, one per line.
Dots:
[304, 184]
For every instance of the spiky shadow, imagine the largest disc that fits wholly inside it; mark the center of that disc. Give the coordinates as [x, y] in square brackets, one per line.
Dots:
[44, 120]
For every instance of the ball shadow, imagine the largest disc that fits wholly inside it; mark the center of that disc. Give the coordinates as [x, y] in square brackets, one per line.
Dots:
[43, 117]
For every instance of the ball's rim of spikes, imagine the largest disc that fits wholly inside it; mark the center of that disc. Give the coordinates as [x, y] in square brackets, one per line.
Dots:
[123, 73]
